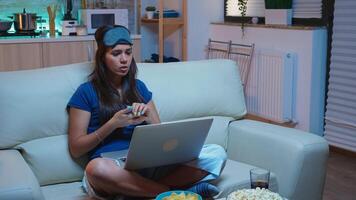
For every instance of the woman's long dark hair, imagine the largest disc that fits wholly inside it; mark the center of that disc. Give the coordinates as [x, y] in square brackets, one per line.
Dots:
[110, 100]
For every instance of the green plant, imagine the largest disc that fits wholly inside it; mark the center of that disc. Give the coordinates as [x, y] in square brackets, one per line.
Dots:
[150, 8]
[278, 4]
[242, 5]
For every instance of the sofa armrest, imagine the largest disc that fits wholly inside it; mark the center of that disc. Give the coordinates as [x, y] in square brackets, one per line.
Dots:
[296, 157]
[17, 179]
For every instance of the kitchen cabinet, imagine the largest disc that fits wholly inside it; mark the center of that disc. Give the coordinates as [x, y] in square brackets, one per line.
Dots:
[61, 53]
[32, 53]
[20, 56]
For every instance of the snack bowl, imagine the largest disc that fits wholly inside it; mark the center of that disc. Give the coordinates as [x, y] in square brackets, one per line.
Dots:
[178, 195]
[254, 194]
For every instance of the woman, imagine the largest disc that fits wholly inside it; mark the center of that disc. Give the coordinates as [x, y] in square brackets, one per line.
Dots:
[101, 121]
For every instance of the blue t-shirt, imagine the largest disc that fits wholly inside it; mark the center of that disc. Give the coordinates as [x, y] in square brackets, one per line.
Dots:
[86, 98]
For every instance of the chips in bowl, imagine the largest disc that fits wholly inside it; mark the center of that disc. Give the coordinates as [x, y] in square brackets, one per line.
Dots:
[178, 195]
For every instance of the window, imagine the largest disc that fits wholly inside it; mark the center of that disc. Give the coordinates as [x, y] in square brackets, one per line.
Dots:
[305, 12]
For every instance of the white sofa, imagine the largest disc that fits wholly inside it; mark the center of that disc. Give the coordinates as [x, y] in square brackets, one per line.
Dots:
[34, 158]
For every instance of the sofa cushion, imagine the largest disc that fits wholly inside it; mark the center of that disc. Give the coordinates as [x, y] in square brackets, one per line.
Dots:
[195, 89]
[17, 180]
[218, 132]
[64, 191]
[296, 155]
[236, 175]
[50, 160]
[33, 102]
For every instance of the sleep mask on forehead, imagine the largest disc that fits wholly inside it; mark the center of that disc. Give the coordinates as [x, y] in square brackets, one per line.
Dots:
[117, 35]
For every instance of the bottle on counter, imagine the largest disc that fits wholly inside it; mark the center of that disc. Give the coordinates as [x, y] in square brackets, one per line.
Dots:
[83, 4]
[100, 4]
[52, 16]
[90, 4]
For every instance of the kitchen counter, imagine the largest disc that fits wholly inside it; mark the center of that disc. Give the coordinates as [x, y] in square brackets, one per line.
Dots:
[37, 39]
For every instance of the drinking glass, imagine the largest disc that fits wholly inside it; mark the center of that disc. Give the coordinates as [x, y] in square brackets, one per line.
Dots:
[259, 178]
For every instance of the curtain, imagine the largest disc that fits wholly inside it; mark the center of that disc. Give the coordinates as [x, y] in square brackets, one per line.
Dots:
[340, 117]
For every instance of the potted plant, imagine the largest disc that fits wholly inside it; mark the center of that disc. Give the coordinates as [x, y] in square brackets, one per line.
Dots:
[242, 5]
[278, 12]
[150, 11]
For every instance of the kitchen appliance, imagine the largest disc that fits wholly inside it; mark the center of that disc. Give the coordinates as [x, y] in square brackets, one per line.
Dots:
[94, 18]
[81, 30]
[25, 21]
[5, 25]
[69, 27]
[69, 23]
[68, 15]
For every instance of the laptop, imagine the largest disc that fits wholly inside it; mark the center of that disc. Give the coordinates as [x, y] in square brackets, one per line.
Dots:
[164, 144]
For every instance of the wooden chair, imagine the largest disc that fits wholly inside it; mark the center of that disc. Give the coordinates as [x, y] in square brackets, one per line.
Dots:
[242, 54]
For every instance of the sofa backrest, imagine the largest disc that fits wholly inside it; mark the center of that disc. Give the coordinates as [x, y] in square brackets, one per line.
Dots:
[195, 89]
[33, 102]
[33, 115]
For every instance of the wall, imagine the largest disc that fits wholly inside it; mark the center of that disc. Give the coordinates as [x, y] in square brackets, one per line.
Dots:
[200, 14]
[310, 48]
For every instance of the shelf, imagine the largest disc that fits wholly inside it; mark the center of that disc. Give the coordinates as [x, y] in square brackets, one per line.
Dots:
[166, 21]
[274, 26]
[179, 23]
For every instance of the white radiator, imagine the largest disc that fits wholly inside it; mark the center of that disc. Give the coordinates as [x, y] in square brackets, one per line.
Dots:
[270, 87]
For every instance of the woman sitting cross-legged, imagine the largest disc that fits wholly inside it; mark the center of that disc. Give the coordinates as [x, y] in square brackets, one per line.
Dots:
[100, 121]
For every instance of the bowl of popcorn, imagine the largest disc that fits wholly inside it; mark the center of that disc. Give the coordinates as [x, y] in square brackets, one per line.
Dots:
[179, 195]
[254, 194]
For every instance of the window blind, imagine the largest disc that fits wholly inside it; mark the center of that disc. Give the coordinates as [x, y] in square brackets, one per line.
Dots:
[340, 117]
[301, 8]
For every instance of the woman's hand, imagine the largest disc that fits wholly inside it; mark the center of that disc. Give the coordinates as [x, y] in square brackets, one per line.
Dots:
[124, 118]
[148, 110]
[140, 109]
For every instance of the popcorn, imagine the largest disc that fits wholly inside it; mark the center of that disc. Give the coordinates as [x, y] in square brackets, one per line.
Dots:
[254, 194]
